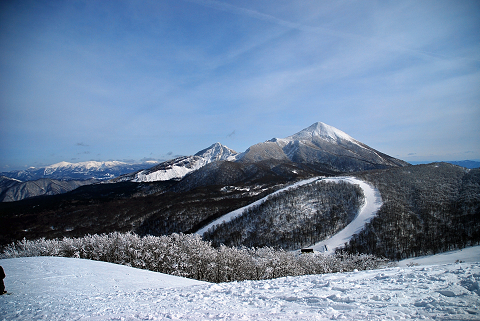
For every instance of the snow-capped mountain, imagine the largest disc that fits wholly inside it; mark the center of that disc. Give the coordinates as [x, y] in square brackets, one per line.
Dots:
[327, 149]
[78, 171]
[179, 167]
[321, 144]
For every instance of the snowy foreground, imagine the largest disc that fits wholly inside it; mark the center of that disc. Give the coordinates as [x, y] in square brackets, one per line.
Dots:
[53, 288]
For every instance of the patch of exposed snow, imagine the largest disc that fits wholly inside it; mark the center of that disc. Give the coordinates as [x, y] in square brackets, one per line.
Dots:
[174, 172]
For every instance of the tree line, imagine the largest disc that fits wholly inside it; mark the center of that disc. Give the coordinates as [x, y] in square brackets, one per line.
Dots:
[187, 255]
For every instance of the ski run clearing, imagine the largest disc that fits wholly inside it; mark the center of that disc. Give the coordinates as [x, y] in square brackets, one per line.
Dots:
[372, 202]
[54, 288]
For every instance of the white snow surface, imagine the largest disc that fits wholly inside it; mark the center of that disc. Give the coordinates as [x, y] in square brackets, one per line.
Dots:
[372, 203]
[215, 152]
[81, 166]
[52, 288]
[174, 172]
[322, 130]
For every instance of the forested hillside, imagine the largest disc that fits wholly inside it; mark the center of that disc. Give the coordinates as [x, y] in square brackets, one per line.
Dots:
[427, 209]
[293, 219]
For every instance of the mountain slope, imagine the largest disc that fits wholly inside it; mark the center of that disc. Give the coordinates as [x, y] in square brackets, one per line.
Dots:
[179, 167]
[426, 209]
[321, 145]
[14, 190]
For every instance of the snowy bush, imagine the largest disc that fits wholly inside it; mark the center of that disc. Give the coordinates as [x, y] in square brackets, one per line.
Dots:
[187, 255]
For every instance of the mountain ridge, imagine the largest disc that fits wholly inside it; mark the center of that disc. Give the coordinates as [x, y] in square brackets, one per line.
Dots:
[77, 171]
[181, 166]
[322, 144]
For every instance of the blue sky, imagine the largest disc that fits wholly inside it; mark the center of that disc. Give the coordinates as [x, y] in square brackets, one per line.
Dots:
[129, 80]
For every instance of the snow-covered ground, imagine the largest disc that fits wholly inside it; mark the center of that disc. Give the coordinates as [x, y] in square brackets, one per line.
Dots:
[50, 288]
[372, 203]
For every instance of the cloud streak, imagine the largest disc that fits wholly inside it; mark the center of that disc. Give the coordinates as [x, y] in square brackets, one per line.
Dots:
[402, 77]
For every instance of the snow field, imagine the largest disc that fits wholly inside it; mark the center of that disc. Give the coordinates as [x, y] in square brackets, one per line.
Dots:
[51, 288]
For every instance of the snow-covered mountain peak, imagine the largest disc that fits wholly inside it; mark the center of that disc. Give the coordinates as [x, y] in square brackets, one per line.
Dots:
[179, 167]
[322, 145]
[321, 130]
[57, 165]
[82, 166]
[216, 152]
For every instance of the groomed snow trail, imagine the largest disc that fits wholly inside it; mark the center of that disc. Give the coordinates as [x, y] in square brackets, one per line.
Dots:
[46, 288]
[233, 214]
[372, 203]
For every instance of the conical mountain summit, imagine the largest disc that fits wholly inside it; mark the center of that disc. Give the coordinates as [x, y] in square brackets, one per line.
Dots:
[323, 146]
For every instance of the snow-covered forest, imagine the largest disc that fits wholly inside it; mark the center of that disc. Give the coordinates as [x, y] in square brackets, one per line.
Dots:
[189, 256]
[293, 219]
[426, 209]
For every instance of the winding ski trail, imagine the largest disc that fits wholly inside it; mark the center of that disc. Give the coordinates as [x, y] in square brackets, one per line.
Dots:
[233, 214]
[371, 204]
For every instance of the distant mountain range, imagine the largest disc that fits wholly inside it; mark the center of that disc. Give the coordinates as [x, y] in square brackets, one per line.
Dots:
[77, 171]
[463, 163]
[320, 147]
[317, 150]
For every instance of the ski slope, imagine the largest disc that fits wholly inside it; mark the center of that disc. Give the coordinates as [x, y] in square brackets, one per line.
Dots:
[372, 203]
[238, 212]
[53, 288]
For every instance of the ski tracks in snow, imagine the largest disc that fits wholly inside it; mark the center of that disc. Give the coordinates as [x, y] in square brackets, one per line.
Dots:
[372, 203]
